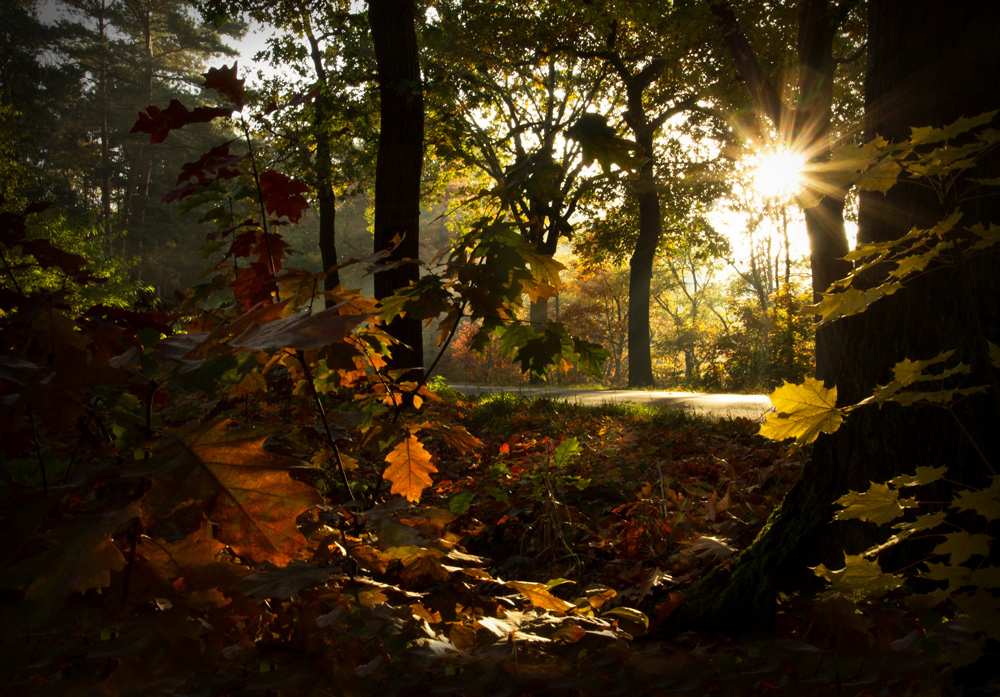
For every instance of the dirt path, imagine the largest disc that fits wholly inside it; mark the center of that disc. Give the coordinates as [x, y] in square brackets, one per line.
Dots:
[717, 405]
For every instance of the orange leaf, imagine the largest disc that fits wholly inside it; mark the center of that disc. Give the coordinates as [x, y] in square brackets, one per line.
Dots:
[409, 469]
[244, 490]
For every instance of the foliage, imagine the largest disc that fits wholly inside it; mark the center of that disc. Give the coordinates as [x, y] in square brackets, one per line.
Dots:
[761, 347]
[959, 567]
[183, 476]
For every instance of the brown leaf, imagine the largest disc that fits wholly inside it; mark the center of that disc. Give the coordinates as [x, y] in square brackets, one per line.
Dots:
[244, 490]
[409, 469]
[192, 563]
[300, 331]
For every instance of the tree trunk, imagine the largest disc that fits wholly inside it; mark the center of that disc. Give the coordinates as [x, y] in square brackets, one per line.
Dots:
[399, 163]
[927, 65]
[326, 197]
[640, 360]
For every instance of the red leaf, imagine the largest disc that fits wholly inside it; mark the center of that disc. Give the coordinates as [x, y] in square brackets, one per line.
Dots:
[254, 285]
[217, 163]
[283, 196]
[223, 80]
[158, 124]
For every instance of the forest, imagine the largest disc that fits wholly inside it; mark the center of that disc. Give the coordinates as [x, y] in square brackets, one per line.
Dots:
[237, 285]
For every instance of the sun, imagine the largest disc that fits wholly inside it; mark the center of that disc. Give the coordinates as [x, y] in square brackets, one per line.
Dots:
[778, 173]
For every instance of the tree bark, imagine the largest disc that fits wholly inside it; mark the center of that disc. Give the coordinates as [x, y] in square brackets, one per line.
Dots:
[927, 64]
[398, 165]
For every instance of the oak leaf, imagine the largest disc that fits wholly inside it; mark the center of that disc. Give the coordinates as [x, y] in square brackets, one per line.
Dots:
[409, 468]
[244, 490]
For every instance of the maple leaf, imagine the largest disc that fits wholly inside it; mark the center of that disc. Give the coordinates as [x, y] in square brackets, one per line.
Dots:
[284, 582]
[804, 411]
[859, 577]
[283, 196]
[879, 504]
[297, 100]
[409, 468]
[244, 490]
[158, 124]
[223, 80]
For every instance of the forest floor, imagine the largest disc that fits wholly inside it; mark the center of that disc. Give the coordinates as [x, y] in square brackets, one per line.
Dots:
[600, 518]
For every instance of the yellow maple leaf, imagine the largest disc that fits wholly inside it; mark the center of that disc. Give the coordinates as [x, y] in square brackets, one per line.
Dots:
[803, 412]
[409, 468]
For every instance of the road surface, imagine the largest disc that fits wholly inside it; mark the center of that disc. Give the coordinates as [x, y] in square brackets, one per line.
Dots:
[716, 405]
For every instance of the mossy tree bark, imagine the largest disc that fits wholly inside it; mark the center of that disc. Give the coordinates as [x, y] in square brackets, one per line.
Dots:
[928, 64]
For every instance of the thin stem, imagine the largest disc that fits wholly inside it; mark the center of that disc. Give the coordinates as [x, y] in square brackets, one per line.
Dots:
[326, 423]
[10, 274]
[444, 347]
[260, 200]
[972, 440]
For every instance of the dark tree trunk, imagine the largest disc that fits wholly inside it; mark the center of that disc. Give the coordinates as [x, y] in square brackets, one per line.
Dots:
[928, 64]
[640, 360]
[399, 163]
[326, 197]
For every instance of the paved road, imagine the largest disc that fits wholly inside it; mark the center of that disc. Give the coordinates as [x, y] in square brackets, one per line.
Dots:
[717, 405]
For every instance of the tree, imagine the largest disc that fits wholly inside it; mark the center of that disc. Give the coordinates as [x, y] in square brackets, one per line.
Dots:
[664, 70]
[329, 140]
[926, 67]
[399, 163]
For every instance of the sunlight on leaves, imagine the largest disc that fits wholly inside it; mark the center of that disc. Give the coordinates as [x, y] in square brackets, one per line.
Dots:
[879, 505]
[859, 577]
[804, 411]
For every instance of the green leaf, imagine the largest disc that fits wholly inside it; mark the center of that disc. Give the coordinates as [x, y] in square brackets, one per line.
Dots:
[859, 578]
[627, 613]
[590, 356]
[804, 411]
[879, 505]
[460, 503]
[922, 477]
[565, 450]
